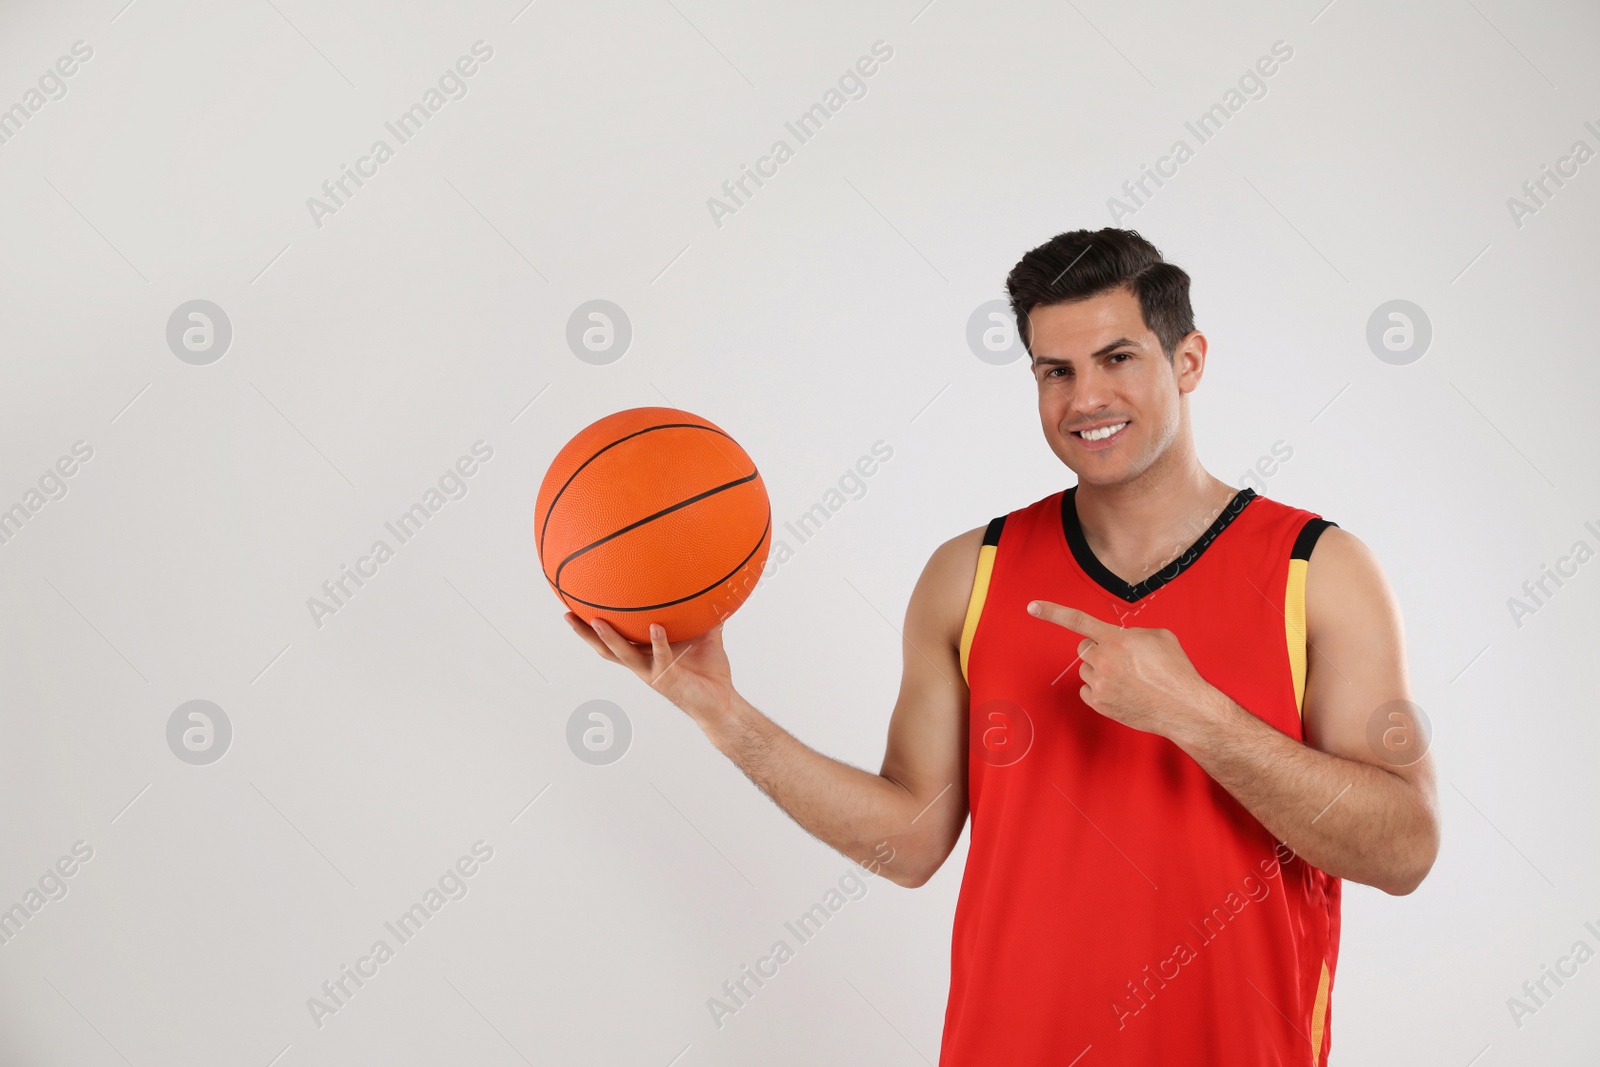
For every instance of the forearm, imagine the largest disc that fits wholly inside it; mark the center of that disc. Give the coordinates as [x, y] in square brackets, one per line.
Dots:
[1349, 818]
[864, 816]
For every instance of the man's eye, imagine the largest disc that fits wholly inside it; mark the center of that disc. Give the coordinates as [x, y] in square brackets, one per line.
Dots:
[1052, 370]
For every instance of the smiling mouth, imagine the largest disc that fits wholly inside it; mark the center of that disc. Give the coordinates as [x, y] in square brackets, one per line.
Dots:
[1099, 433]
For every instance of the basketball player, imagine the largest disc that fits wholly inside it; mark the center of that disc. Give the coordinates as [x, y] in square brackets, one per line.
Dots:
[1158, 696]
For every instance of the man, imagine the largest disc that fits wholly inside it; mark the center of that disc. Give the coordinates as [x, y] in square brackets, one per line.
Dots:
[1156, 695]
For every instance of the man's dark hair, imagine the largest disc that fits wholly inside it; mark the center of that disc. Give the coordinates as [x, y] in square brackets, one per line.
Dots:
[1081, 264]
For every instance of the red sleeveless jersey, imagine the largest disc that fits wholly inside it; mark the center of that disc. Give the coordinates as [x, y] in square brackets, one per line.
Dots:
[1119, 906]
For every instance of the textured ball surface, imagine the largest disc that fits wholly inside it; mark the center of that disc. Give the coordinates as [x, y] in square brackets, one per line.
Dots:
[653, 515]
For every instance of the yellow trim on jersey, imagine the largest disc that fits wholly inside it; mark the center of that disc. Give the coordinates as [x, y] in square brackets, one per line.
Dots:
[980, 591]
[1319, 1014]
[1294, 626]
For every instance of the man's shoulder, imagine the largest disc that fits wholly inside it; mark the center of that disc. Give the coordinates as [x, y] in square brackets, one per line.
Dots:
[960, 553]
[953, 563]
[945, 588]
[1341, 562]
[948, 580]
[1261, 503]
[1303, 527]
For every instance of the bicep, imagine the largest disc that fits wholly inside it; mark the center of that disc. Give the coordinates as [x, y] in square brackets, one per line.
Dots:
[1357, 702]
[926, 749]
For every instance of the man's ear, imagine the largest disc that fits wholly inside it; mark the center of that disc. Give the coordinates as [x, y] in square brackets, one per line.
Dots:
[1189, 361]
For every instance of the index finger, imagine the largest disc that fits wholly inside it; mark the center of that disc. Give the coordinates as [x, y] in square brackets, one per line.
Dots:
[589, 637]
[1079, 622]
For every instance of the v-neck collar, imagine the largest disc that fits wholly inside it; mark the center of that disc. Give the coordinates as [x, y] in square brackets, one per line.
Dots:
[1108, 581]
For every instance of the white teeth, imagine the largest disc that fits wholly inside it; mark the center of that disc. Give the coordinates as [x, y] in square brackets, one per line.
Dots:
[1102, 433]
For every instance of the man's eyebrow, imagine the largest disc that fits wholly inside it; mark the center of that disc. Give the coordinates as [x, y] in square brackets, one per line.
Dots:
[1104, 350]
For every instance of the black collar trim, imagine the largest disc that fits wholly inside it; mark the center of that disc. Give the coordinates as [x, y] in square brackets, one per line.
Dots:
[1115, 585]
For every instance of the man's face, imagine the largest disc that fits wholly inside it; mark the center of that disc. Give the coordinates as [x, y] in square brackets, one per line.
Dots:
[1098, 365]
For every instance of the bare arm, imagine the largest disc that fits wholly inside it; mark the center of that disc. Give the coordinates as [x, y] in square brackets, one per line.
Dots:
[1356, 809]
[901, 822]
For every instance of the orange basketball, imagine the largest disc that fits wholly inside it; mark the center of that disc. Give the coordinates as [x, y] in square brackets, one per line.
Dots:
[653, 515]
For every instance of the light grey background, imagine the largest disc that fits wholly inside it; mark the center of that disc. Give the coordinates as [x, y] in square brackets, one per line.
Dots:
[828, 313]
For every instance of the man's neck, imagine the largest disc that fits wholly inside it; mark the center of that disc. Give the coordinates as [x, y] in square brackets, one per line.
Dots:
[1137, 527]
